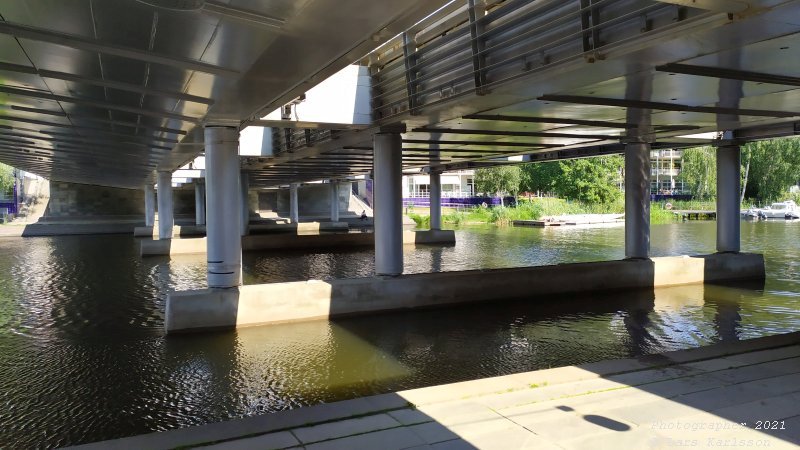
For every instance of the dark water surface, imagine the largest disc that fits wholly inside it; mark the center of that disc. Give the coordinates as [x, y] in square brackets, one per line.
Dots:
[83, 356]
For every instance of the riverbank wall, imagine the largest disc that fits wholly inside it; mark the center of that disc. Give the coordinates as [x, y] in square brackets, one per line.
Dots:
[314, 299]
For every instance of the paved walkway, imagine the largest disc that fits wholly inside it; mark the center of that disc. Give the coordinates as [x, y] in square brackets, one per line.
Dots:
[711, 397]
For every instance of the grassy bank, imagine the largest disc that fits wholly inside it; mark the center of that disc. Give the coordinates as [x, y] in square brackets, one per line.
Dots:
[536, 208]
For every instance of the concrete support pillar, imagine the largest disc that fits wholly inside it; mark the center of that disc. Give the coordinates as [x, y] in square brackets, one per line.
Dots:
[728, 190]
[165, 212]
[294, 210]
[199, 202]
[149, 205]
[245, 202]
[436, 200]
[334, 201]
[388, 208]
[637, 200]
[223, 197]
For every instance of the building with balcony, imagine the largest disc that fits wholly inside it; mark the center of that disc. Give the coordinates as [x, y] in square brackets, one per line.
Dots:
[665, 166]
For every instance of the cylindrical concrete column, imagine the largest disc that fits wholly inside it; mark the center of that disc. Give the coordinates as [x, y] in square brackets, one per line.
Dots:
[436, 200]
[245, 202]
[294, 209]
[388, 199]
[165, 212]
[223, 198]
[199, 202]
[728, 189]
[149, 205]
[637, 200]
[334, 201]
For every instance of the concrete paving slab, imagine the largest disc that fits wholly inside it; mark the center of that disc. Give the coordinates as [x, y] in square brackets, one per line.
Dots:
[654, 375]
[348, 427]
[707, 430]
[772, 408]
[745, 373]
[678, 386]
[467, 389]
[508, 438]
[545, 393]
[554, 376]
[433, 432]
[723, 396]
[456, 444]
[461, 413]
[645, 415]
[571, 425]
[639, 438]
[393, 439]
[409, 416]
[280, 440]
[710, 365]
[766, 355]
[789, 429]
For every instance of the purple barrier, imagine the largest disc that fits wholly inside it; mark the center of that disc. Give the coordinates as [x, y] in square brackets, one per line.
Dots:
[455, 202]
[11, 206]
[667, 198]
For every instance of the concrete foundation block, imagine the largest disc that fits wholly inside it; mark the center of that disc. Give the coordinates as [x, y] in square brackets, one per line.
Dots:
[178, 230]
[256, 242]
[437, 237]
[143, 231]
[166, 247]
[306, 300]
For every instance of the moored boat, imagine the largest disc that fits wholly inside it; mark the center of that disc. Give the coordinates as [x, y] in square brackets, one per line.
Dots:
[780, 210]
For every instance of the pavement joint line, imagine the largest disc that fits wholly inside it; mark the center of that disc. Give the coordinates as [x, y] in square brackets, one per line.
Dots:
[311, 424]
[516, 423]
[349, 435]
[630, 386]
[654, 366]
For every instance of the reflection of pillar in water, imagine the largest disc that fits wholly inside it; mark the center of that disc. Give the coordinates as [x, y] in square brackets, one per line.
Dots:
[727, 303]
[727, 321]
[639, 305]
[436, 259]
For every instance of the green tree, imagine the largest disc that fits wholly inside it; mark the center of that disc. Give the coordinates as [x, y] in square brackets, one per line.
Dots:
[540, 177]
[774, 167]
[699, 172]
[6, 179]
[499, 180]
[589, 180]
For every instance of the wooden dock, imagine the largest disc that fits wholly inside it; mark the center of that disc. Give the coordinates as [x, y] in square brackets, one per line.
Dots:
[572, 220]
[697, 214]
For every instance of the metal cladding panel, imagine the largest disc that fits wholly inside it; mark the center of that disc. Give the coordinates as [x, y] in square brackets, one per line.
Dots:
[127, 74]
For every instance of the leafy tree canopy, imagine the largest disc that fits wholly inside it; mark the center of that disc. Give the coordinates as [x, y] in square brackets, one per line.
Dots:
[774, 167]
[500, 180]
[6, 178]
[589, 180]
[699, 172]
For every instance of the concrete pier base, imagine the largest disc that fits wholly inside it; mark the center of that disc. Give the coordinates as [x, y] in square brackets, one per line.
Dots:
[200, 230]
[177, 230]
[313, 299]
[255, 242]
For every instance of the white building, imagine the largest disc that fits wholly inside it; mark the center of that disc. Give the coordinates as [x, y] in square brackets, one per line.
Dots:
[456, 184]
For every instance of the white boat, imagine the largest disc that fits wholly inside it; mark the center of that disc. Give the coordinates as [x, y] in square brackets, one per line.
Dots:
[752, 213]
[780, 210]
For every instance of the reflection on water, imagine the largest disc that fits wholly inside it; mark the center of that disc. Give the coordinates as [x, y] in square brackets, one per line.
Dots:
[83, 356]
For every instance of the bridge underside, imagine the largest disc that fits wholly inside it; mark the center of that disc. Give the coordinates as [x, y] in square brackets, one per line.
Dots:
[478, 83]
[109, 92]
[113, 92]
